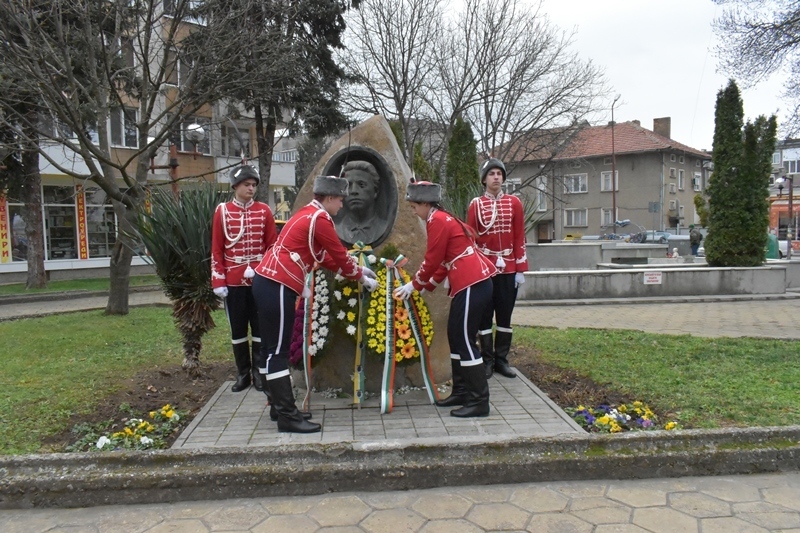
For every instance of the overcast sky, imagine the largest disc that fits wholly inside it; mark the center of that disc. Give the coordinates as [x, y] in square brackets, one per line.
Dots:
[659, 56]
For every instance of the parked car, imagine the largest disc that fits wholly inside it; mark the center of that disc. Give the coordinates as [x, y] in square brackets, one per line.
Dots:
[655, 236]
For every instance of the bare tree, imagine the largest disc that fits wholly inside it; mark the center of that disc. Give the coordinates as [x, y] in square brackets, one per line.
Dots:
[389, 55]
[498, 64]
[759, 39]
[86, 60]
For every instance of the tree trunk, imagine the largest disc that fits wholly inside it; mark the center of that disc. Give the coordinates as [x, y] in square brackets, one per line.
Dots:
[120, 263]
[32, 215]
[265, 140]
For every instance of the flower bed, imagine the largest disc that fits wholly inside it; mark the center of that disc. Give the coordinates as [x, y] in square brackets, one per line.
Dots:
[634, 416]
[131, 433]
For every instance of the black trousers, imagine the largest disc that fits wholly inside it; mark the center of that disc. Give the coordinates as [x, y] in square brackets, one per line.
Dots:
[276, 310]
[466, 312]
[501, 306]
[240, 307]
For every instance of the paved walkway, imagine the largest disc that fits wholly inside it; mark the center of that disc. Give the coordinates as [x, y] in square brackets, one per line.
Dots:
[725, 504]
[518, 408]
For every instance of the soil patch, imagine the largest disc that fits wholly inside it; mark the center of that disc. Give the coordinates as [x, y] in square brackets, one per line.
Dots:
[152, 389]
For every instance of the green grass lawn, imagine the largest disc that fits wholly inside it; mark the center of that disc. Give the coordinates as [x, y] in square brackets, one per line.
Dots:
[91, 284]
[58, 365]
[705, 382]
[54, 366]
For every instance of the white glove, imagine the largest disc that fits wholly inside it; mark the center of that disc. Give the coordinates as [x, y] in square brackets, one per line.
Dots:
[405, 291]
[306, 294]
[367, 273]
[370, 284]
[222, 292]
[519, 279]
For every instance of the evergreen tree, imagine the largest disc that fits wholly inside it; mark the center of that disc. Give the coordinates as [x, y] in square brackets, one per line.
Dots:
[738, 189]
[422, 169]
[462, 181]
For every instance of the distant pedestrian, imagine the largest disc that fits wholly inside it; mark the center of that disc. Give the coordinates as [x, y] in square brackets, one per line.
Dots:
[309, 237]
[499, 221]
[451, 254]
[241, 232]
[695, 238]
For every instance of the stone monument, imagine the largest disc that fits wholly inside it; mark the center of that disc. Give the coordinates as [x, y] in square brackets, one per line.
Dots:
[377, 215]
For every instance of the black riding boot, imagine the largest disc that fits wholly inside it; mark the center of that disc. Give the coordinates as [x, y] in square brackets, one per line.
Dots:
[273, 413]
[487, 352]
[290, 420]
[241, 352]
[477, 403]
[458, 392]
[502, 345]
[258, 362]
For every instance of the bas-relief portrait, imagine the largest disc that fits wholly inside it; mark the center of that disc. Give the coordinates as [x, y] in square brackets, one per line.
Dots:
[371, 205]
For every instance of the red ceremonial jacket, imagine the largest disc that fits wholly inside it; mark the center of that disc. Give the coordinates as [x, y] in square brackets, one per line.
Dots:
[451, 253]
[308, 237]
[500, 225]
[240, 234]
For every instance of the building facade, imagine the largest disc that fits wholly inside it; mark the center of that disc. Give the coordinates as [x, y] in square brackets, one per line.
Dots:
[647, 177]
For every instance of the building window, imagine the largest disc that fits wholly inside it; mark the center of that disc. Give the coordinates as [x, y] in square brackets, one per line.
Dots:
[672, 173]
[697, 182]
[512, 185]
[541, 193]
[680, 179]
[576, 183]
[672, 157]
[606, 218]
[776, 158]
[672, 205]
[232, 142]
[672, 188]
[607, 161]
[19, 240]
[575, 164]
[184, 144]
[681, 160]
[285, 156]
[697, 163]
[178, 67]
[575, 217]
[123, 127]
[605, 181]
[791, 167]
[59, 222]
[101, 225]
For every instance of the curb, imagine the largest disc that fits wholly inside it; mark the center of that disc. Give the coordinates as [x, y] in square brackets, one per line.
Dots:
[662, 299]
[90, 479]
[68, 295]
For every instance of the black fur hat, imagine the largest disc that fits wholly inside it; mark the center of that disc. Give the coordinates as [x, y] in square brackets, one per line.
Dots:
[243, 172]
[424, 192]
[331, 186]
[488, 165]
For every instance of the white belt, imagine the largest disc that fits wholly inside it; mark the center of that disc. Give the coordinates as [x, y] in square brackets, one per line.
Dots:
[245, 258]
[465, 253]
[501, 253]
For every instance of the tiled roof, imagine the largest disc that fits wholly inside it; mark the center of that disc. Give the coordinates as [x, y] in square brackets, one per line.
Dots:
[629, 137]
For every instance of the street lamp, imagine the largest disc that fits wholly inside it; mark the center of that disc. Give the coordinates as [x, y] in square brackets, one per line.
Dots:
[790, 229]
[195, 133]
[613, 168]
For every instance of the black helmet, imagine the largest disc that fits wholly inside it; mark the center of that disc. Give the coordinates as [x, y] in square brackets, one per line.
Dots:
[488, 165]
[244, 172]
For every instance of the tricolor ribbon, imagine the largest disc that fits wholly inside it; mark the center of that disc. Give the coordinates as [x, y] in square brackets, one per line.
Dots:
[307, 333]
[361, 252]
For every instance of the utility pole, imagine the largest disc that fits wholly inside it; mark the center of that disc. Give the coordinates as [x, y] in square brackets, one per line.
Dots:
[613, 168]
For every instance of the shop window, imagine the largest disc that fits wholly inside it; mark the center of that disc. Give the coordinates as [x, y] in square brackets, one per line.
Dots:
[101, 225]
[59, 220]
[19, 241]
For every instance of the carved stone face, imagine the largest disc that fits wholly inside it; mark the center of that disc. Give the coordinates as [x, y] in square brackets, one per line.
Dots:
[362, 192]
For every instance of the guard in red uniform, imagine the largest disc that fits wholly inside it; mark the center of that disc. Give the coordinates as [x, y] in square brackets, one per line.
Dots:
[499, 222]
[241, 232]
[451, 254]
[309, 237]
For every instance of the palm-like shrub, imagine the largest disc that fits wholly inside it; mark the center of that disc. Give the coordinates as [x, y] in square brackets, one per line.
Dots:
[177, 235]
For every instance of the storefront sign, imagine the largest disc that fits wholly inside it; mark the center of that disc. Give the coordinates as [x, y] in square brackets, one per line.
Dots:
[5, 232]
[652, 278]
[83, 242]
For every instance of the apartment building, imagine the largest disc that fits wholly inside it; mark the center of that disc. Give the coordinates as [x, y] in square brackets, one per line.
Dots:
[649, 178]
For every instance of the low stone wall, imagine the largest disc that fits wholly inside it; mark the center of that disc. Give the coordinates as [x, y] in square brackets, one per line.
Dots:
[579, 255]
[652, 282]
